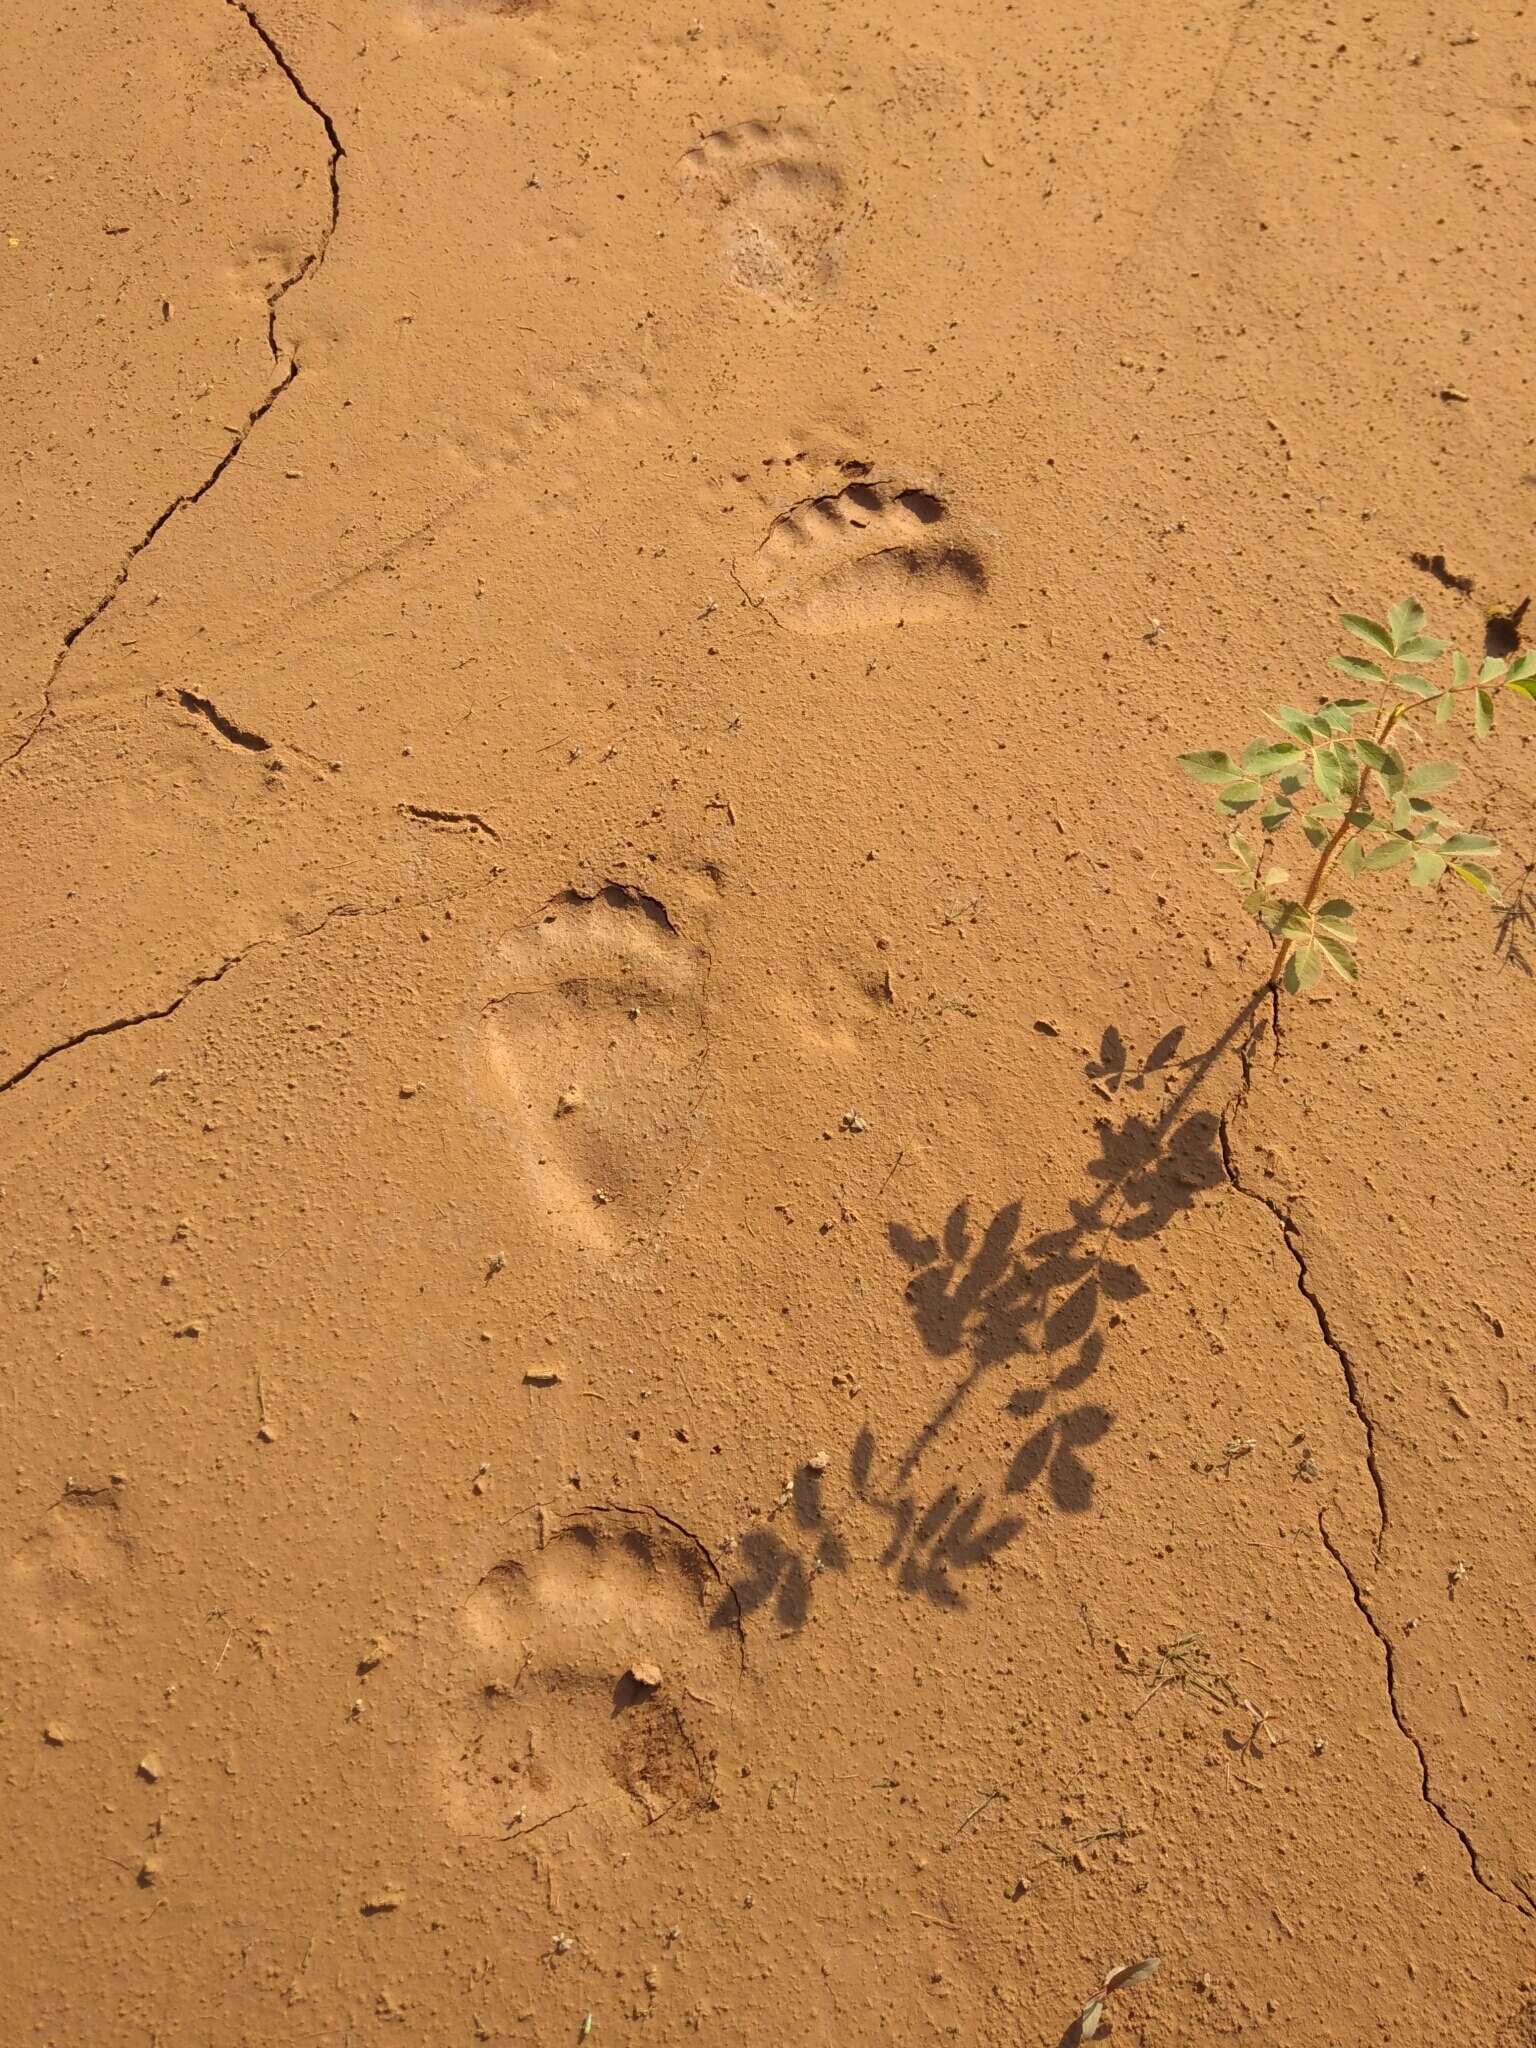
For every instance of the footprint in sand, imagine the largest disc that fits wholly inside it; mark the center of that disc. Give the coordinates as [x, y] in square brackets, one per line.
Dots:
[781, 204]
[597, 1053]
[872, 554]
[583, 1676]
[68, 1582]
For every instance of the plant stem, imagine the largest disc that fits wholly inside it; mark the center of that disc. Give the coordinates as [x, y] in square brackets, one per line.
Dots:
[1336, 843]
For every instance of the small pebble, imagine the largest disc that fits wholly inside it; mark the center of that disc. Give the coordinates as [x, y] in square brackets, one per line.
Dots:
[646, 1675]
[818, 1463]
[150, 1769]
[389, 1901]
[852, 1121]
[541, 1376]
[55, 1736]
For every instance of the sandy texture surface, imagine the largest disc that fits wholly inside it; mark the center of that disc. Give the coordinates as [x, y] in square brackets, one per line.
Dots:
[639, 1380]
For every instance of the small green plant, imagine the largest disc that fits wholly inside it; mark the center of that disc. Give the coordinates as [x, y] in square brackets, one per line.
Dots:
[1362, 805]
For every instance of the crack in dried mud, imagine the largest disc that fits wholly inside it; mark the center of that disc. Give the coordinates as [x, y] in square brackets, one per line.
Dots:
[1389, 1658]
[169, 1009]
[425, 815]
[1292, 1239]
[237, 735]
[403, 906]
[1291, 1236]
[287, 367]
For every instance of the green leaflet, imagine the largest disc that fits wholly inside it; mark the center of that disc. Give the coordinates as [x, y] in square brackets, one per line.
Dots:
[1338, 956]
[1427, 867]
[1209, 767]
[1240, 795]
[1471, 842]
[1391, 853]
[1368, 631]
[1430, 776]
[1302, 967]
[1482, 723]
[1267, 757]
[1474, 875]
[1361, 671]
[1404, 622]
[1421, 648]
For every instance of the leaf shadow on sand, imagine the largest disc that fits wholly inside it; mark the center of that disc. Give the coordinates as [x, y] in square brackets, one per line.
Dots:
[979, 1295]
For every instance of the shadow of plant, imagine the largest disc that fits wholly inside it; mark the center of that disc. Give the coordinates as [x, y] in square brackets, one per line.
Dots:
[979, 1295]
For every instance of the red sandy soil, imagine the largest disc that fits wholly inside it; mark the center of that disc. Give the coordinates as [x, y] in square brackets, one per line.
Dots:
[639, 1383]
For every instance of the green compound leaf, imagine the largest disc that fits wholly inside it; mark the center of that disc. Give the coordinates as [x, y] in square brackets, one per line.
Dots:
[1482, 723]
[1404, 621]
[1209, 766]
[1358, 670]
[1368, 631]
[1430, 776]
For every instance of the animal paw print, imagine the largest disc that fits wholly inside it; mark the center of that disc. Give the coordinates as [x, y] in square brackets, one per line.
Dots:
[781, 205]
[873, 554]
[583, 1677]
[597, 1053]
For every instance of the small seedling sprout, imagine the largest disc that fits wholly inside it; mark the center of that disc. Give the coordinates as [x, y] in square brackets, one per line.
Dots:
[1360, 804]
[1086, 2026]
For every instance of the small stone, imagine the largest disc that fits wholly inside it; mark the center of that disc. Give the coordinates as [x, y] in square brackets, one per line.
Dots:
[388, 1901]
[149, 1872]
[150, 1769]
[542, 1376]
[408, 1089]
[193, 1330]
[55, 1736]
[378, 1649]
[852, 1121]
[266, 1434]
[647, 1676]
[568, 1101]
[818, 1463]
